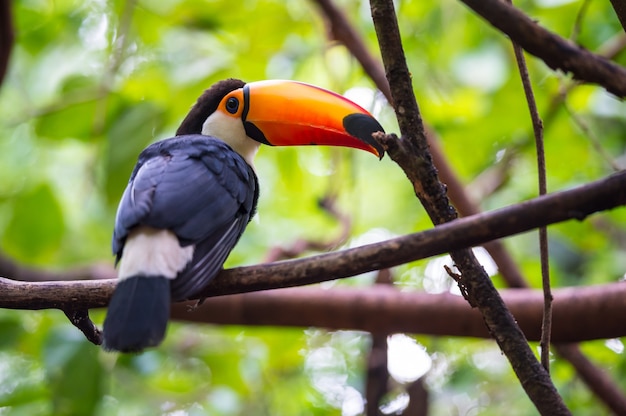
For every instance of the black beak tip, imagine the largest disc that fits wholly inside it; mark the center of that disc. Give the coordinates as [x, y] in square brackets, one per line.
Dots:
[362, 126]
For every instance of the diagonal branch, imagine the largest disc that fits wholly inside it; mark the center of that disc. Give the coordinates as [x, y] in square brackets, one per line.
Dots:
[412, 154]
[341, 30]
[555, 51]
[575, 203]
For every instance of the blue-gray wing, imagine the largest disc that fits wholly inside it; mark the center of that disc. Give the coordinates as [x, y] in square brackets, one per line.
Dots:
[198, 188]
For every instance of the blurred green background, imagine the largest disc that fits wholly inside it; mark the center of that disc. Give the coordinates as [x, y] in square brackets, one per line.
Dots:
[91, 83]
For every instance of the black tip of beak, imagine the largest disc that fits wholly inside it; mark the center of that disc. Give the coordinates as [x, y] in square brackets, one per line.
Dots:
[362, 126]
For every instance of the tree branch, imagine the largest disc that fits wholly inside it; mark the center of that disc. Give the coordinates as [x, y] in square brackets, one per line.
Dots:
[412, 154]
[575, 203]
[543, 189]
[342, 30]
[579, 312]
[556, 52]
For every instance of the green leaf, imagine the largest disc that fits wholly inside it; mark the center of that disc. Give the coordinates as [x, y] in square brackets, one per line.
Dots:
[37, 225]
[73, 121]
[127, 137]
[74, 373]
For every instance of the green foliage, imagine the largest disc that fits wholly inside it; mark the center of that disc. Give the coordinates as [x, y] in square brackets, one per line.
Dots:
[37, 223]
[92, 83]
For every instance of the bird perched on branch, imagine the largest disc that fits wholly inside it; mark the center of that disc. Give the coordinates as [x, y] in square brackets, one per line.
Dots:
[191, 196]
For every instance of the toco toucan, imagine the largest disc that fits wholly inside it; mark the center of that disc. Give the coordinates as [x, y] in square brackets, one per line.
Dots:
[190, 197]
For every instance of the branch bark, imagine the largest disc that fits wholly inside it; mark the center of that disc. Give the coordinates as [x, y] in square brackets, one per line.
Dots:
[579, 312]
[575, 203]
[412, 154]
[556, 52]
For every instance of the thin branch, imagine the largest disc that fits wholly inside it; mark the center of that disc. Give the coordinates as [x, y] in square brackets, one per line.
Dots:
[579, 312]
[543, 189]
[556, 52]
[80, 319]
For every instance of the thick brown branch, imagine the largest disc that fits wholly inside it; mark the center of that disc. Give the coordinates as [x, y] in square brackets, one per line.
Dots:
[575, 203]
[344, 32]
[555, 51]
[579, 312]
[414, 158]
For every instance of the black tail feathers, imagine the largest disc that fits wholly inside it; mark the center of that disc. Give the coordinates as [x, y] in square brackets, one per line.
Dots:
[138, 314]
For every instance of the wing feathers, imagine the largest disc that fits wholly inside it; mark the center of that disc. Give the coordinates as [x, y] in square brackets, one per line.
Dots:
[198, 188]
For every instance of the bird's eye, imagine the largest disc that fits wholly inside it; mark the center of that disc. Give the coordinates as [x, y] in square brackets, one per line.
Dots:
[232, 105]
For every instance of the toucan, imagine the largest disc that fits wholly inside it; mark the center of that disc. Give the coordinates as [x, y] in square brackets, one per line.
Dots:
[190, 197]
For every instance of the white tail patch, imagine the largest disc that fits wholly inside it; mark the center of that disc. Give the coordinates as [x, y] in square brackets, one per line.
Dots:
[153, 252]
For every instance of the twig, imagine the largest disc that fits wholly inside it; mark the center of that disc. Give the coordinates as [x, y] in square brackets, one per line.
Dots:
[80, 319]
[543, 189]
[412, 155]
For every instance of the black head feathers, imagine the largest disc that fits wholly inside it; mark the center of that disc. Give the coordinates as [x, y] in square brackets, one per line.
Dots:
[206, 105]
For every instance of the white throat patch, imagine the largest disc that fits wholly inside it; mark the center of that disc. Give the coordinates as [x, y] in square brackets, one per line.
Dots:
[231, 131]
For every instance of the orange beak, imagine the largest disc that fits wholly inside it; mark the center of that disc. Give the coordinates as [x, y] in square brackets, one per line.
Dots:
[286, 113]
